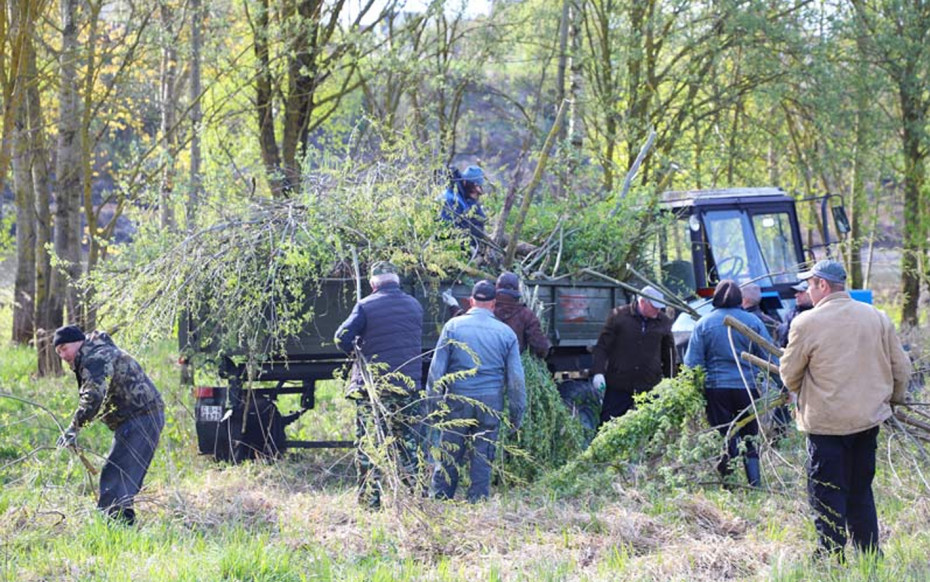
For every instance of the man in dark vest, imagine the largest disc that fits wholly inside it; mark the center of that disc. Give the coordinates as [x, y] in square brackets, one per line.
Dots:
[385, 331]
[634, 351]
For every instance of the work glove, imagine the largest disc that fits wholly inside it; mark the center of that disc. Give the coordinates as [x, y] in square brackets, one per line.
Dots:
[448, 299]
[67, 438]
[599, 382]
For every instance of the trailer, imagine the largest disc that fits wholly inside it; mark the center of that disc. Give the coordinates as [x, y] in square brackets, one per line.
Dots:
[702, 237]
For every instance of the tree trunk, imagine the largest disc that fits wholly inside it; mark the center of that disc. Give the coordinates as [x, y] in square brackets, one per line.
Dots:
[168, 82]
[914, 245]
[25, 283]
[11, 66]
[302, 73]
[857, 196]
[87, 312]
[264, 102]
[47, 320]
[196, 114]
[68, 170]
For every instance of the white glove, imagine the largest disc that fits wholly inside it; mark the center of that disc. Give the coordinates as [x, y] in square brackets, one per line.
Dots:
[448, 299]
[599, 382]
[67, 439]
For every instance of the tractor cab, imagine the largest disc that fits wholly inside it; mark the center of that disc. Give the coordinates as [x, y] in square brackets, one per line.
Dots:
[744, 234]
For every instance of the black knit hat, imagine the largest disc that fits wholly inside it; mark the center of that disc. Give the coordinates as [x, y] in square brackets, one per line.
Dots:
[727, 294]
[68, 334]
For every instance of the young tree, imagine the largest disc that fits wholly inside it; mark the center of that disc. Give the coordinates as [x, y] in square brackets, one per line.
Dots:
[895, 34]
[316, 43]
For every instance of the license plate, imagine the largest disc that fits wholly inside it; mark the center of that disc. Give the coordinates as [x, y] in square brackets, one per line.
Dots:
[210, 413]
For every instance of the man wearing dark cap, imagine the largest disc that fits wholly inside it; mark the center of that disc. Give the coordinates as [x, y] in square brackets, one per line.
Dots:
[385, 330]
[634, 351]
[113, 386]
[802, 302]
[518, 316]
[476, 366]
[729, 382]
[846, 365]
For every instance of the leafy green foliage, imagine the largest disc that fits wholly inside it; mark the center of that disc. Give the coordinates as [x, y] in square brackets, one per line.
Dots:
[661, 427]
[550, 435]
[257, 271]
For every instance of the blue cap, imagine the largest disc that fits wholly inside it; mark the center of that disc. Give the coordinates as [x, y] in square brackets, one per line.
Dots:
[473, 174]
[828, 270]
[483, 291]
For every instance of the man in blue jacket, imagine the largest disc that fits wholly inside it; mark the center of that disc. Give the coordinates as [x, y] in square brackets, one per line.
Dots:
[462, 204]
[476, 366]
[385, 330]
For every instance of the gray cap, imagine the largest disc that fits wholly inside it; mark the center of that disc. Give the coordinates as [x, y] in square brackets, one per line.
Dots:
[653, 295]
[828, 270]
[800, 287]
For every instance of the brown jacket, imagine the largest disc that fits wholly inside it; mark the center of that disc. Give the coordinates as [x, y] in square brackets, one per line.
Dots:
[846, 364]
[524, 323]
[634, 352]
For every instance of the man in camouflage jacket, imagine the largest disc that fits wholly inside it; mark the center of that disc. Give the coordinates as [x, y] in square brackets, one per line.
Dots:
[114, 387]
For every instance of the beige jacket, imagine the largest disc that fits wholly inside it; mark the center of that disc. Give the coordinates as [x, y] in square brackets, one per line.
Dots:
[846, 364]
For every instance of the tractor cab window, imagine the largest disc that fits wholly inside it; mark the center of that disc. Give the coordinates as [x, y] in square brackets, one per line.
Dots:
[733, 253]
[750, 247]
[773, 231]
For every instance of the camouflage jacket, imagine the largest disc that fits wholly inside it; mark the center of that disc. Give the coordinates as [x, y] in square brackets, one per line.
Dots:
[111, 383]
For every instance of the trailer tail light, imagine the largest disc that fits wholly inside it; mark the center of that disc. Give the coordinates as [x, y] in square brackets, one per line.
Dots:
[201, 392]
[705, 292]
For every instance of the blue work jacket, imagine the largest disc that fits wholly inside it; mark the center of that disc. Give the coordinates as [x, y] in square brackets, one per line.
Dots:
[710, 349]
[498, 370]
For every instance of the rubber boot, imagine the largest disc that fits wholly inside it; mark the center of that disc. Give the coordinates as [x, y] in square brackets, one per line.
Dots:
[753, 471]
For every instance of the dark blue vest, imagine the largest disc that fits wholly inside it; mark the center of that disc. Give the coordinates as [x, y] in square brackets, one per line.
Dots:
[393, 331]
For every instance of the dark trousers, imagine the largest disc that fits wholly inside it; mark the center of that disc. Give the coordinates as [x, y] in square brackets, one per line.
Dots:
[617, 402]
[134, 444]
[722, 408]
[839, 481]
[391, 430]
[481, 442]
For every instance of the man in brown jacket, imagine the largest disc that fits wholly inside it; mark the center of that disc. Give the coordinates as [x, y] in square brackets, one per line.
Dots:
[634, 351]
[846, 366]
[518, 316]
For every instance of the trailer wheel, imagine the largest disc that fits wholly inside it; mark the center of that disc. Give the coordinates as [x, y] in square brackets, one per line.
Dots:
[260, 435]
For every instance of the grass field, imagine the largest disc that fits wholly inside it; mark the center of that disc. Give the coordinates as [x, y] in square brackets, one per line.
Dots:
[298, 520]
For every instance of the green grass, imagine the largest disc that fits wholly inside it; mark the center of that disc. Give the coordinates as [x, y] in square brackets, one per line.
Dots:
[297, 519]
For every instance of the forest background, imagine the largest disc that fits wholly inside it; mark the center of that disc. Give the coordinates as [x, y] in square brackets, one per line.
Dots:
[149, 148]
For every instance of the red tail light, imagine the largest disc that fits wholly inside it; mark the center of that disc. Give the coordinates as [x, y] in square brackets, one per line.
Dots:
[705, 292]
[203, 392]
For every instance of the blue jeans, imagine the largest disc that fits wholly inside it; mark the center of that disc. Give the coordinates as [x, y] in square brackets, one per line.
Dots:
[483, 440]
[134, 444]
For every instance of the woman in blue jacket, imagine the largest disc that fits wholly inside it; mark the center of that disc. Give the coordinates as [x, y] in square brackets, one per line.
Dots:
[725, 390]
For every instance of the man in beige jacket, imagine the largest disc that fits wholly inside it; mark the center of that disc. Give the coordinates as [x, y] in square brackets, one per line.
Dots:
[846, 365]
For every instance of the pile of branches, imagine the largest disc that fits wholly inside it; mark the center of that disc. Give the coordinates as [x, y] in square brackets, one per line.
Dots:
[254, 268]
[666, 428]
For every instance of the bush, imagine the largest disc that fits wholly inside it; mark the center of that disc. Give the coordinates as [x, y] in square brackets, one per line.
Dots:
[665, 428]
[550, 435]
